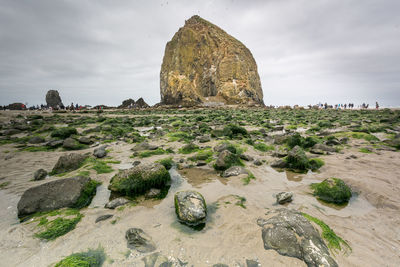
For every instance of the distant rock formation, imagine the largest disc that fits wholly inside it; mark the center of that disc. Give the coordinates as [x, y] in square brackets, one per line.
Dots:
[127, 103]
[16, 106]
[130, 103]
[141, 104]
[53, 99]
[203, 64]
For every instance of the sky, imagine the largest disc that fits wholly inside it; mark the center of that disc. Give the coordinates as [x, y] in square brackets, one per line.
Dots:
[103, 52]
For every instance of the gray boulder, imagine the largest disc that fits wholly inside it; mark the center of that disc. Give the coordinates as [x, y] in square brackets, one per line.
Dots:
[69, 162]
[70, 144]
[53, 99]
[85, 140]
[203, 138]
[36, 140]
[144, 146]
[190, 207]
[116, 203]
[284, 197]
[55, 143]
[39, 175]
[137, 239]
[52, 195]
[234, 171]
[323, 147]
[291, 234]
[100, 152]
[280, 163]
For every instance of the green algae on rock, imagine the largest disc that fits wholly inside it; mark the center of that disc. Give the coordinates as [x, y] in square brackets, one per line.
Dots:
[332, 190]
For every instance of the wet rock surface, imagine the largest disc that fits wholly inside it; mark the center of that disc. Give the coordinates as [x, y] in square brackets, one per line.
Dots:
[190, 207]
[284, 197]
[291, 234]
[234, 171]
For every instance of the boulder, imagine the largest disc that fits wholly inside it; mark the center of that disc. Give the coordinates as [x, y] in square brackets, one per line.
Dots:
[322, 147]
[144, 146]
[120, 201]
[68, 163]
[85, 140]
[71, 144]
[280, 163]
[39, 175]
[100, 152]
[190, 207]
[234, 171]
[53, 99]
[55, 143]
[203, 64]
[138, 240]
[139, 179]
[284, 197]
[36, 140]
[291, 234]
[54, 195]
[227, 159]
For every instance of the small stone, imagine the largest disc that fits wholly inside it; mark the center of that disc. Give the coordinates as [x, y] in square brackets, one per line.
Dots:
[36, 140]
[139, 240]
[100, 152]
[257, 162]
[252, 263]
[116, 203]
[152, 193]
[39, 175]
[234, 171]
[85, 140]
[135, 163]
[284, 197]
[246, 157]
[103, 217]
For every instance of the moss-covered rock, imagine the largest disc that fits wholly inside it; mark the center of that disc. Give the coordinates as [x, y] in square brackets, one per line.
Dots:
[332, 190]
[90, 258]
[63, 132]
[139, 179]
[227, 159]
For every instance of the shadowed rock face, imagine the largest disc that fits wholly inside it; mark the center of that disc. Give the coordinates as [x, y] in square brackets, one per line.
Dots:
[203, 64]
[53, 99]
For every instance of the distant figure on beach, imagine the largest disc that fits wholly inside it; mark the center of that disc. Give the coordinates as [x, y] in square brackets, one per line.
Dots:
[376, 105]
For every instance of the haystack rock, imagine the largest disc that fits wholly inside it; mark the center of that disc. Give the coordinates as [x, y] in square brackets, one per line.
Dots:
[204, 65]
[53, 99]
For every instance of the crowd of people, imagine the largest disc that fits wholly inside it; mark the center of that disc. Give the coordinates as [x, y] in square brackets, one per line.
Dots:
[342, 106]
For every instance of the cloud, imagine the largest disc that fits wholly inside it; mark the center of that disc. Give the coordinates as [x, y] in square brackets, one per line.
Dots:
[106, 51]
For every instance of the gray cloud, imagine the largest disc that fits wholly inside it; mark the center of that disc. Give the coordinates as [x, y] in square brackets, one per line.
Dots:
[102, 52]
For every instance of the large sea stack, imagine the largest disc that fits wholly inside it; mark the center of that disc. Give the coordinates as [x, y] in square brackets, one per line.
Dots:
[204, 65]
[53, 99]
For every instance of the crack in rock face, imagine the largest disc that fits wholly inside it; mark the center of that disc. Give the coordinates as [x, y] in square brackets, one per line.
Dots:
[291, 234]
[203, 64]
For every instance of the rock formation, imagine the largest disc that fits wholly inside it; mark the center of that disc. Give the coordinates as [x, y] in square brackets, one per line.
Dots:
[127, 103]
[53, 99]
[203, 65]
[141, 104]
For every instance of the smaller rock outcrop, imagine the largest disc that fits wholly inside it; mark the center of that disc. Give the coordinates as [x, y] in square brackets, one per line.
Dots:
[190, 207]
[284, 197]
[116, 203]
[16, 106]
[53, 99]
[129, 103]
[140, 103]
[138, 240]
[53, 195]
[291, 234]
[234, 171]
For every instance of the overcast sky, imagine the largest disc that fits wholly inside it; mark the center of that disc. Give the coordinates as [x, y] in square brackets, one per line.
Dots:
[102, 52]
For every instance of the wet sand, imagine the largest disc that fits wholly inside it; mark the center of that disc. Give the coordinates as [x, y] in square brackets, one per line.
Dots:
[370, 222]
